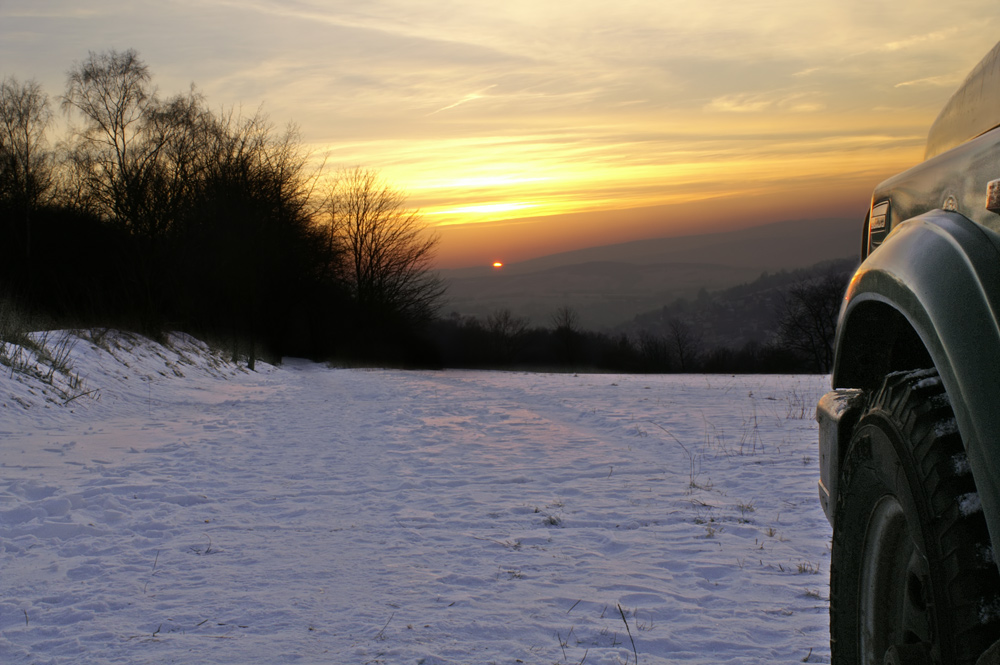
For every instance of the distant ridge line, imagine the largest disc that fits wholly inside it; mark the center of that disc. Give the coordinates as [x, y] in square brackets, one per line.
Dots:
[786, 244]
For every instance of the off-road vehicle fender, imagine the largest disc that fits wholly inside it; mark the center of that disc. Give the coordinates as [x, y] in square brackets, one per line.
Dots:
[897, 315]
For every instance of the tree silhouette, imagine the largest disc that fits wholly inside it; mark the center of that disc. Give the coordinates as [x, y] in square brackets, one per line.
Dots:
[654, 351]
[809, 319]
[507, 334]
[25, 161]
[112, 153]
[247, 243]
[566, 335]
[387, 248]
[685, 344]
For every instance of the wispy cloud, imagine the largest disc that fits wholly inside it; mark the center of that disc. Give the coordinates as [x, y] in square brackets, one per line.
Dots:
[801, 102]
[589, 105]
[468, 98]
[920, 40]
[740, 103]
[946, 80]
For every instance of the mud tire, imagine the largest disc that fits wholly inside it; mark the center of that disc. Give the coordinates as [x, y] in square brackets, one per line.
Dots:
[913, 577]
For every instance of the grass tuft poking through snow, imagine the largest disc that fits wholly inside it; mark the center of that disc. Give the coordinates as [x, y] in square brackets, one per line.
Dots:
[184, 508]
[42, 358]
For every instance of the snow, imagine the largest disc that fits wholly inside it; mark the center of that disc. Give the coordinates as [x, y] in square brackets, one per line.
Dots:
[970, 503]
[186, 510]
[961, 464]
[945, 427]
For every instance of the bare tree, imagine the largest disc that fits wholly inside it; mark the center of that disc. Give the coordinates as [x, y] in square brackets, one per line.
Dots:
[178, 137]
[388, 248]
[566, 319]
[250, 234]
[25, 160]
[507, 333]
[685, 344]
[566, 334]
[809, 319]
[654, 350]
[117, 142]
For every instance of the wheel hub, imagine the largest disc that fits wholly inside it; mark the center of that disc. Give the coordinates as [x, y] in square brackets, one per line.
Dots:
[893, 607]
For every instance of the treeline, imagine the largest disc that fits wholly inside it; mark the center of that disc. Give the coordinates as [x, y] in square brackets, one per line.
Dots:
[685, 337]
[792, 310]
[469, 342]
[160, 214]
[155, 214]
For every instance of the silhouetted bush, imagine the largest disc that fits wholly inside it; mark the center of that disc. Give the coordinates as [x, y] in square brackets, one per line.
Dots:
[160, 214]
[465, 342]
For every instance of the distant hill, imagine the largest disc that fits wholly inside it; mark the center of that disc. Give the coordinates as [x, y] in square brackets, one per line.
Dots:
[732, 317]
[610, 285]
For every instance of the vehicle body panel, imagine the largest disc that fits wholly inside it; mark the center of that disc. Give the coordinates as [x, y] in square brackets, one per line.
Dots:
[956, 181]
[954, 310]
[973, 110]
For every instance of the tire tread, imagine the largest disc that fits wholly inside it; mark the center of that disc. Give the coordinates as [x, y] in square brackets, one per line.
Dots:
[916, 406]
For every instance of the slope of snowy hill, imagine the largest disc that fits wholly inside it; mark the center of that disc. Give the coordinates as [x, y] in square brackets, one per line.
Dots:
[160, 505]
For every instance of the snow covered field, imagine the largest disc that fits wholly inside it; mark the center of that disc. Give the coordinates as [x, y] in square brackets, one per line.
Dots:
[186, 511]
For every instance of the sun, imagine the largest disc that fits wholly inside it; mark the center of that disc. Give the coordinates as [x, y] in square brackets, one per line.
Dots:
[498, 264]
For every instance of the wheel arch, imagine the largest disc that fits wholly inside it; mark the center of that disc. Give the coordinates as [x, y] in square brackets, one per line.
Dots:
[899, 315]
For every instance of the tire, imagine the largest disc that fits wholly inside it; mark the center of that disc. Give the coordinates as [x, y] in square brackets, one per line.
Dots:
[913, 578]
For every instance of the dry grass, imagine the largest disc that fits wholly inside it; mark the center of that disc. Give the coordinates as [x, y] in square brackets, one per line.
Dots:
[44, 356]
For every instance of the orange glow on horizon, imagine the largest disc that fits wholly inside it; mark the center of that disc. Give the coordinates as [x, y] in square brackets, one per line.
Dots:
[526, 129]
[520, 239]
[498, 264]
[486, 208]
[529, 193]
[465, 189]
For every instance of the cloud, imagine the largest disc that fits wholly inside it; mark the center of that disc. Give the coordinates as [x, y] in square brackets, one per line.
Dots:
[946, 80]
[468, 98]
[919, 40]
[807, 72]
[804, 102]
[563, 105]
[740, 103]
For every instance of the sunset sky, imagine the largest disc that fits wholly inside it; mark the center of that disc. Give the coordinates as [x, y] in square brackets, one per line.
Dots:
[536, 126]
